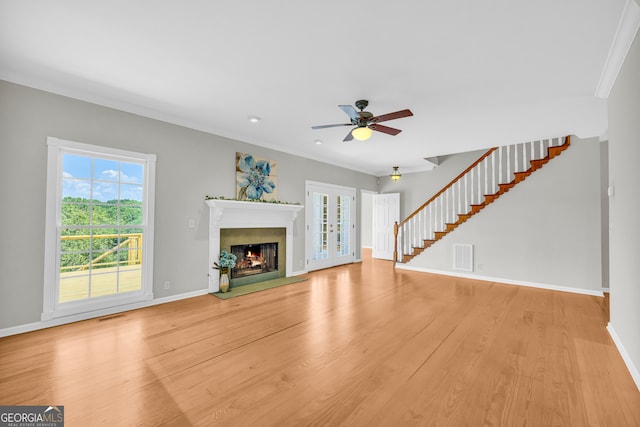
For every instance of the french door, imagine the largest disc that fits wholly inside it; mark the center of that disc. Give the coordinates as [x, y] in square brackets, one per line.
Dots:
[330, 225]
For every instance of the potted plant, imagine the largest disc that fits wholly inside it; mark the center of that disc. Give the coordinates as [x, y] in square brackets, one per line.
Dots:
[226, 261]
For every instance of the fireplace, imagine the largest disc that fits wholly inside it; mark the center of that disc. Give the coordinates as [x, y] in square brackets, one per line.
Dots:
[254, 258]
[260, 253]
[238, 218]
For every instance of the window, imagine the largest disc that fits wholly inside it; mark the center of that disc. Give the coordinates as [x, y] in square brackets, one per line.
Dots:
[99, 228]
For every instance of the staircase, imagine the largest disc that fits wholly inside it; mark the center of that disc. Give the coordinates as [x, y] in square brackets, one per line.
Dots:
[493, 174]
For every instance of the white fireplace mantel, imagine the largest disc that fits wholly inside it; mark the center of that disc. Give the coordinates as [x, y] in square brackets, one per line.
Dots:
[236, 214]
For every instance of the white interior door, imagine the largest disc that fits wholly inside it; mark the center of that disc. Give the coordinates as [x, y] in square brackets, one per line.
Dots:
[330, 225]
[386, 211]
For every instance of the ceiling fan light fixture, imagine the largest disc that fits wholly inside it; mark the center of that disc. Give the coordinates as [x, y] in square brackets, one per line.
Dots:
[361, 133]
[395, 175]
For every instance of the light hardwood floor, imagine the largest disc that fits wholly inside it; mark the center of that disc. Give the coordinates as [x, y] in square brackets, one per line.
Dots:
[354, 345]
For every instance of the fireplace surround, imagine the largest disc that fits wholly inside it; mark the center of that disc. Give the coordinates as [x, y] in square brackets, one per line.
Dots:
[232, 214]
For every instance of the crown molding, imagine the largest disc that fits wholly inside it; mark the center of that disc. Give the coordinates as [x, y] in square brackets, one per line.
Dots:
[626, 32]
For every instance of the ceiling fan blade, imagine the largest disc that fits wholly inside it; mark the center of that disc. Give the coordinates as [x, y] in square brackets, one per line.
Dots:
[385, 129]
[349, 137]
[392, 116]
[331, 126]
[351, 112]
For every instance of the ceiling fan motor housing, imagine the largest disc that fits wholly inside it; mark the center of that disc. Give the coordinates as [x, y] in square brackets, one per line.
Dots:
[364, 119]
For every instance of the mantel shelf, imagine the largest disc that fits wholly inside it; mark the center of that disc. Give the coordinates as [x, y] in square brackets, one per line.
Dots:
[252, 214]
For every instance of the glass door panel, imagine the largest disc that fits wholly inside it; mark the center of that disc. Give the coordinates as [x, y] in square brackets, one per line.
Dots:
[329, 225]
[319, 233]
[343, 225]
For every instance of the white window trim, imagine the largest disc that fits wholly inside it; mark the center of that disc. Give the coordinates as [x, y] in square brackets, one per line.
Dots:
[51, 309]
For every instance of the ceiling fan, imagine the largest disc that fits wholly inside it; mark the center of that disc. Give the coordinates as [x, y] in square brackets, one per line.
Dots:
[365, 122]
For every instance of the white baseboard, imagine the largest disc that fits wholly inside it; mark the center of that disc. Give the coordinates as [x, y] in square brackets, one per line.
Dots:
[299, 273]
[605, 290]
[29, 327]
[625, 356]
[505, 281]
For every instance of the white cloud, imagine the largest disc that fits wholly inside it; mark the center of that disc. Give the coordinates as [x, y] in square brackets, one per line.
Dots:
[112, 175]
[104, 189]
[76, 188]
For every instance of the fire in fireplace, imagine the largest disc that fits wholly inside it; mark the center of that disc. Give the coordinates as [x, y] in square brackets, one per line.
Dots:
[256, 258]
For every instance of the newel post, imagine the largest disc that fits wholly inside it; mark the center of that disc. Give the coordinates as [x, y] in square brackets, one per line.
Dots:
[395, 242]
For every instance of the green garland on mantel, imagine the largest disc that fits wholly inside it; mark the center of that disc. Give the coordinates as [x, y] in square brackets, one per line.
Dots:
[233, 199]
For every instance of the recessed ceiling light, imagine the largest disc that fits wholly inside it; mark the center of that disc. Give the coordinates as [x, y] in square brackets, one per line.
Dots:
[254, 119]
[318, 142]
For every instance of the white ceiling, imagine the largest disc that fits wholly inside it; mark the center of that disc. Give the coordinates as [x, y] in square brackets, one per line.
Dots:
[475, 73]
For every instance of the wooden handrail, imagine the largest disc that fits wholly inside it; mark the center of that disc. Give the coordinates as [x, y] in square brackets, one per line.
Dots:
[446, 187]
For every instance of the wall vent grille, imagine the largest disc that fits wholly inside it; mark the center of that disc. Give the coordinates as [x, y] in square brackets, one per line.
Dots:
[463, 257]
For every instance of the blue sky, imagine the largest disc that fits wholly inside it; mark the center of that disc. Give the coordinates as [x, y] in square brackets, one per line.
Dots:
[102, 179]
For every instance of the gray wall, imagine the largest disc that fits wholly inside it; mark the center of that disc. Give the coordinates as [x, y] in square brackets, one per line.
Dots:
[624, 206]
[604, 211]
[546, 230]
[190, 165]
[366, 219]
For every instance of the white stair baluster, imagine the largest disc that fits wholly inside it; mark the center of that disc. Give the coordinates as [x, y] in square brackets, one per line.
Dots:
[438, 215]
[400, 243]
[430, 221]
[466, 192]
[416, 231]
[500, 150]
[508, 164]
[541, 149]
[486, 177]
[479, 184]
[446, 203]
[435, 215]
[412, 235]
[533, 150]
[459, 211]
[493, 172]
[436, 226]
[453, 203]
[407, 238]
[405, 249]
[423, 226]
[472, 186]
[442, 213]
